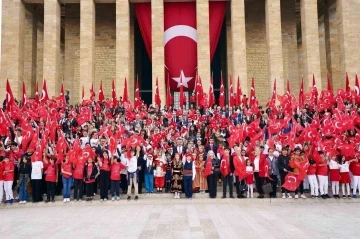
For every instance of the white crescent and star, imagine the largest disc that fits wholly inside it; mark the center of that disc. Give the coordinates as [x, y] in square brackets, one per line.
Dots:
[182, 79]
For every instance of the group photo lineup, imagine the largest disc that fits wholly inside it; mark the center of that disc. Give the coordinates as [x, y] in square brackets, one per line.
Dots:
[186, 118]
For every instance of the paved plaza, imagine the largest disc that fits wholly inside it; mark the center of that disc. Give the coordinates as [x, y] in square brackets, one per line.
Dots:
[197, 218]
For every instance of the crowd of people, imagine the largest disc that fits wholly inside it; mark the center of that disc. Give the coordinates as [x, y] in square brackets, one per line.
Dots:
[47, 149]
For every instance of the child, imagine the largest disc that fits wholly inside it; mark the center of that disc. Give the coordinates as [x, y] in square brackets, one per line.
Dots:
[1, 180]
[51, 175]
[24, 172]
[355, 169]
[322, 174]
[168, 173]
[345, 175]
[249, 179]
[149, 174]
[90, 174]
[314, 187]
[116, 167]
[8, 172]
[334, 176]
[67, 172]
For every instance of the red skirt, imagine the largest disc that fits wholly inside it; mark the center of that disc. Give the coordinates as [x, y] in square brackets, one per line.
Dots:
[335, 175]
[345, 177]
[249, 179]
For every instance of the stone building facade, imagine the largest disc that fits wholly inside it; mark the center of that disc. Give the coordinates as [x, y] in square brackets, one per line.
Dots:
[84, 42]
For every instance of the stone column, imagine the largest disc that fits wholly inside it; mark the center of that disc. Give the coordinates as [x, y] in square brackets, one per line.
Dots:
[349, 36]
[238, 38]
[158, 69]
[87, 46]
[203, 42]
[12, 49]
[310, 42]
[274, 45]
[51, 65]
[123, 48]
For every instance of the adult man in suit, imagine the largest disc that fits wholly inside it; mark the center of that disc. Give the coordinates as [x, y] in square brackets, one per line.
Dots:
[211, 146]
[179, 148]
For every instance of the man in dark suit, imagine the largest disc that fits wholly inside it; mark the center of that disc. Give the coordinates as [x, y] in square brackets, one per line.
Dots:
[211, 146]
[179, 148]
[101, 147]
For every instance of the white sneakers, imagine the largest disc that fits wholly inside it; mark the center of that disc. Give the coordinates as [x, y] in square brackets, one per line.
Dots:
[64, 200]
[112, 198]
[289, 196]
[21, 202]
[283, 196]
[177, 196]
[296, 196]
[303, 196]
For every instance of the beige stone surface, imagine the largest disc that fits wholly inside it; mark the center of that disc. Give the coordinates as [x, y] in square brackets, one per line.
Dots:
[322, 45]
[274, 45]
[203, 42]
[349, 37]
[39, 54]
[51, 57]
[310, 42]
[87, 47]
[12, 50]
[157, 24]
[238, 43]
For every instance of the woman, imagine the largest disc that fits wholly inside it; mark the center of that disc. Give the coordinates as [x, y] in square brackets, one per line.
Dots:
[24, 173]
[177, 176]
[258, 180]
[212, 164]
[79, 165]
[51, 178]
[149, 174]
[104, 164]
[66, 171]
[90, 174]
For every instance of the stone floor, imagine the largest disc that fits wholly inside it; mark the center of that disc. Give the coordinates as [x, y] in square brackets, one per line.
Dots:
[197, 218]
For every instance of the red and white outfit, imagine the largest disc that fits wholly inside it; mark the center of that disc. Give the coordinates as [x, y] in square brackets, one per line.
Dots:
[1, 182]
[250, 180]
[345, 177]
[322, 174]
[8, 179]
[314, 186]
[334, 176]
[159, 173]
[355, 169]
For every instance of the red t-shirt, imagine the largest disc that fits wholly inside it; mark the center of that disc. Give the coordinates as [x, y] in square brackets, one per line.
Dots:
[311, 170]
[115, 171]
[79, 169]
[1, 172]
[10, 175]
[51, 173]
[105, 164]
[66, 167]
[322, 170]
[89, 172]
[355, 168]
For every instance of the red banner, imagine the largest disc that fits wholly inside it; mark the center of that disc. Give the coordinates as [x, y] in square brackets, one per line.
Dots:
[180, 38]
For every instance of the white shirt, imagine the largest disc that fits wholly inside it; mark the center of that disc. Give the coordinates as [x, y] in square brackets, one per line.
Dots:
[131, 164]
[256, 164]
[36, 169]
[344, 168]
[94, 142]
[123, 161]
[249, 169]
[84, 141]
[333, 164]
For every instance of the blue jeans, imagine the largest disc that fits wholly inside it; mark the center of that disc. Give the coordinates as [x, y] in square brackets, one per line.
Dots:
[187, 180]
[67, 182]
[23, 196]
[149, 182]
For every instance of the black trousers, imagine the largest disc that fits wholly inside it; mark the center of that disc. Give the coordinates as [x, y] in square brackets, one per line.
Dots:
[259, 181]
[123, 183]
[212, 184]
[300, 188]
[115, 188]
[237, 186]
[36, 190]
[141, 180]
[78, 189]
[43, 185]
[50, 187]
[273, 182]
[89, 189]
[188, 186]
[59, 186]
[104, 183]
[282, 181]
[228, 180]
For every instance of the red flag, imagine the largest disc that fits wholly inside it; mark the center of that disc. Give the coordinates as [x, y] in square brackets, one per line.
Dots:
[181, 100]
[301, 95]
[37, 92]
[292, 181]
[62, 92]
[125, 94]
[10, 101]
[314, 92]
[157, 95]
[112, 145]
[224, 169]
[231, 98]
[329, 88]
[238, 92]
[92, 93]
[347, 87]
[101, 93]
[199, 91]
[288, 88]
[211, 93]
[252, 93]
[208, 166]
[273, 96]
[113, 94]
[357, 84]
[137, 102]
[44, 94]
[82, 94]
[169, 98]
[24, 99]
[222, 93]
